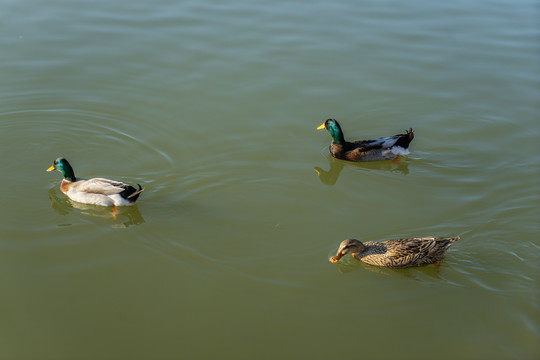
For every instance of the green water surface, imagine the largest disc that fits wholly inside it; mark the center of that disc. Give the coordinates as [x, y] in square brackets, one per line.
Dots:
[213, 106]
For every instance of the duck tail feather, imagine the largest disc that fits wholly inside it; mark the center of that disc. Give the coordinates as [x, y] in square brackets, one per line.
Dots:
[404, 139]
[135, 195]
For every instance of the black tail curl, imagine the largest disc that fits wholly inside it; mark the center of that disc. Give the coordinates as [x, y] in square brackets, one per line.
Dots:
[405, 139]
[130, 193]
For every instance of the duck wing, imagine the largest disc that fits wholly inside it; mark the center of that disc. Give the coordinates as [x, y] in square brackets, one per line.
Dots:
[100, 186]
[402, 248]
[414, 249]
[402, 140]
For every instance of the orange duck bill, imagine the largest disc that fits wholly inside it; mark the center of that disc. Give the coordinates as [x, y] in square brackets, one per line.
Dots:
[335, 259]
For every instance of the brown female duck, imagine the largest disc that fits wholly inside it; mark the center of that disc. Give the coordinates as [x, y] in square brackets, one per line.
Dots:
[396, 253]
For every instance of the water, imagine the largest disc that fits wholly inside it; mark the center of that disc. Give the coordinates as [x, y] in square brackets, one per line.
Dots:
[213, 107]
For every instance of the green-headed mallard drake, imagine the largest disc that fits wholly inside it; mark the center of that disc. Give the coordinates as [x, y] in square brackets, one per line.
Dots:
[396, 253]
[97, 191]
[386, 148]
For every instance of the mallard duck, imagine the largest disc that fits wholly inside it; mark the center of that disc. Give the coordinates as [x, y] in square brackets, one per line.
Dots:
[97, 191]
[396, 253]
[386, 148]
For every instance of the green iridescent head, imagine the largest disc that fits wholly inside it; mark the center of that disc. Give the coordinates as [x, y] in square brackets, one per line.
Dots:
[64, 167]
[335, 131]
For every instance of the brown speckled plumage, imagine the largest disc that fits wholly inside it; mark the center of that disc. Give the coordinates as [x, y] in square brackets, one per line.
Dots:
[396, 253]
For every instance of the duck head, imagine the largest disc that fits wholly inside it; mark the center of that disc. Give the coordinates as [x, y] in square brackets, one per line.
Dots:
[349, 246]
[64, 167]
[335, 131]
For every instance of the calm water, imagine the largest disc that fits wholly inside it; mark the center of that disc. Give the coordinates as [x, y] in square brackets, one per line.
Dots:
[213, 107]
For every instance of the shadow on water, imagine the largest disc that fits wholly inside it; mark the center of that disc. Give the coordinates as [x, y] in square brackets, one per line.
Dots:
[331, 176]
[125, 215]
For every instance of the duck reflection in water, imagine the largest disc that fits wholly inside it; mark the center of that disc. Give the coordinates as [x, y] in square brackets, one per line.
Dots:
[331, 176]
[417, 274]
[126, 215]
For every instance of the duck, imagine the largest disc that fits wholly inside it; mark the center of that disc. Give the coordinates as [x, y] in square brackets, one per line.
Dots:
[397, 253]
[385, 148]
[96, 191]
